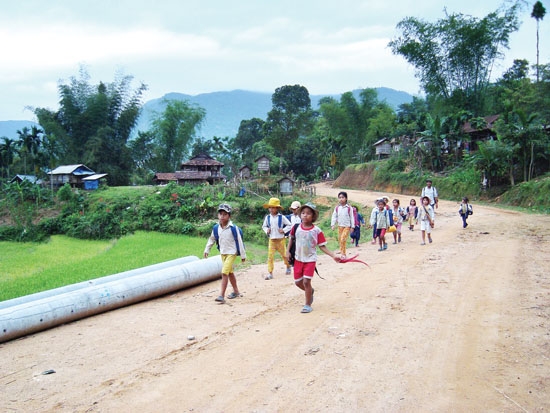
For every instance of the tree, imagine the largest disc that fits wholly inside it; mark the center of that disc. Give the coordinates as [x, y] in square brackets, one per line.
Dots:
[250, 132]
[494, 159]
[7, 154]
[174, 130]
[431, 141]
[453, 57]
[94, 123]
[289, 118]
[538, 14]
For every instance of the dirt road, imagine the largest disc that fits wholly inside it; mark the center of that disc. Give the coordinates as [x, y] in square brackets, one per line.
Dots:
[460, 325]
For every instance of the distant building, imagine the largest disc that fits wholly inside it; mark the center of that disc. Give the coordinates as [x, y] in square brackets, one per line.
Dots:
[383, 148]
[92, 182]
[245, 172]
[70, 174]
[263, 163]
[198, 170]
[30, 178]
[286, 185]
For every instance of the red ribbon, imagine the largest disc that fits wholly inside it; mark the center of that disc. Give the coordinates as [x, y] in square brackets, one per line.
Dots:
[353, 259]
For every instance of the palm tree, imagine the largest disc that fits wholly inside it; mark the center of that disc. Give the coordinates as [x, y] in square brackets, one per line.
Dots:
[7, 152]
[538, 14]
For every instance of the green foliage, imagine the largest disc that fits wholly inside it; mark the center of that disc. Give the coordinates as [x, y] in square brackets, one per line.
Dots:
[94, 122]
[22, 202]
[453, 57]
[290, 117]
[173, 131]
[534, 195]
[459, 183]
[65, 193]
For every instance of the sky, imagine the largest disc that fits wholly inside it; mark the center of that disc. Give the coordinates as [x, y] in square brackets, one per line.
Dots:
[201, 46]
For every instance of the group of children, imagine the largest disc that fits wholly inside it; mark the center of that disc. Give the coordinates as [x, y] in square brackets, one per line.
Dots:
[304, 236]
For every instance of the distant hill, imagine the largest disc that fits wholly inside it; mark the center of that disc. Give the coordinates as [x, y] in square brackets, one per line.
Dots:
[9, 128]
[224, 110]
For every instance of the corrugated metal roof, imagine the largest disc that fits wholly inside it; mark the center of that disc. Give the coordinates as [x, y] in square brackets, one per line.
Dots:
[31, 178]
[79, 169]
[94, 177]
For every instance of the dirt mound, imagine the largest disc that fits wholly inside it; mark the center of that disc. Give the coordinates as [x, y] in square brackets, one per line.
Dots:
[362, 177]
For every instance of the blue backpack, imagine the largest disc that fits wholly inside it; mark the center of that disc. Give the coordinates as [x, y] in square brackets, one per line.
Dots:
[279, 221]
[234, 229]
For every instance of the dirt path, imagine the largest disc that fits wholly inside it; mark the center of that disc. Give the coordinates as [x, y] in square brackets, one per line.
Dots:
[460, 325]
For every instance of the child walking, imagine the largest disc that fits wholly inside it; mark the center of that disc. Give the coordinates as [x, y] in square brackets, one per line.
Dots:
[465, 211]
[426, 218]
[230, 243]
[398, 213]
[412, 213]
[356, 233]
[294, 217]
[381, 219]
[275, 225]
[343, 217]
[307, 237]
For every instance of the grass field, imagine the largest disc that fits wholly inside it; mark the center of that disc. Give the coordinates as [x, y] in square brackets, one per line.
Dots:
[27, 268]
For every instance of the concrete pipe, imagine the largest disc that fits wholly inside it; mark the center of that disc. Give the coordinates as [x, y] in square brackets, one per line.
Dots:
[95, 281]
[37, 315]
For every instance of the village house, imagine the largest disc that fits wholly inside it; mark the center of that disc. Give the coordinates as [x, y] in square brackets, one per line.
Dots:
[70, 174]
[382, 148]
[245, 172]
[263, 164]
[197, 170]
[29, 178]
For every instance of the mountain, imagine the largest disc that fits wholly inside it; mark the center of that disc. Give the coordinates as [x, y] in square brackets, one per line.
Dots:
[224, 110]
[9, 128]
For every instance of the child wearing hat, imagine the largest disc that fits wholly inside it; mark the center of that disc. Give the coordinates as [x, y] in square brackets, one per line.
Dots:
[307, 237]
[294, 218]
[229, 248]
[275, 225]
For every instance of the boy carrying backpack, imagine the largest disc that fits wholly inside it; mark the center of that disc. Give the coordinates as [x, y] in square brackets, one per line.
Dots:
[229, 239]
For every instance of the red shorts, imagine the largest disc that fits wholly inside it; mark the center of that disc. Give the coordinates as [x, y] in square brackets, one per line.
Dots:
[303, 270]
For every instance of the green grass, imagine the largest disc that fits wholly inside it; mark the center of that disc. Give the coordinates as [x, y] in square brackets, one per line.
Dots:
[27, 268]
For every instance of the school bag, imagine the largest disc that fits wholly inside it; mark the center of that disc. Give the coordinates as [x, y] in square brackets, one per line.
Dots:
[234, 229]
[279, 220]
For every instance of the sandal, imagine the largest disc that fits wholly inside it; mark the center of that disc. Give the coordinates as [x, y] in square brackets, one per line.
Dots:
[380, 249]
[220, 299]
[234, 295]
[307, 309]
